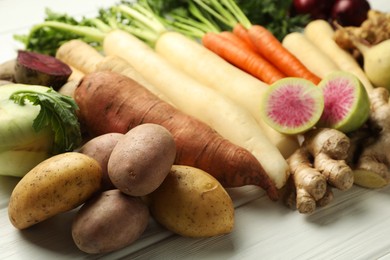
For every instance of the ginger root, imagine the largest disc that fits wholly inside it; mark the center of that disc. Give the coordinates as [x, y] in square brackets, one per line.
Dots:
[316, 167]
[370, 155]
[375, 29]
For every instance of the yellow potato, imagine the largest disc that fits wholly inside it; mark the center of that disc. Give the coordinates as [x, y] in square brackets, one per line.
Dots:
[58, 184]
[192, 203]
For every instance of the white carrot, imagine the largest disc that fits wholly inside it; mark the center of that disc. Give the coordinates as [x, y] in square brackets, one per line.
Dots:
[216, 73]
[321, 34]
[226, 117]
[309, 54]
[83, 58]
[79, 55]
[119, 65]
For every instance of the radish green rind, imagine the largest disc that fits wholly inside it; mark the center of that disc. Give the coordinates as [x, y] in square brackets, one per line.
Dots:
[292, 105]
[347, 104]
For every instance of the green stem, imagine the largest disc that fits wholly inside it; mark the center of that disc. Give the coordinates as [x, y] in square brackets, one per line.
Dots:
[145, 18]
[85, 31]
[237, 12]
[100, 25]
[193, 23]
[198, 14]
[213, 12]
[146, 35]
[188, 30]
[224, 12]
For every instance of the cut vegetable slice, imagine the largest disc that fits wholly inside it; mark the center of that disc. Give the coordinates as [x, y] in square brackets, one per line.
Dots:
[347, 104]
[292, 105]
[39, 69]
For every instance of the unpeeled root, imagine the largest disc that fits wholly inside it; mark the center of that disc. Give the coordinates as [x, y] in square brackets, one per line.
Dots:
[316, 167]
[370, 158]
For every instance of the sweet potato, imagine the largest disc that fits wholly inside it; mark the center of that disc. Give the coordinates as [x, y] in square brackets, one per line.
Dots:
[110, 102]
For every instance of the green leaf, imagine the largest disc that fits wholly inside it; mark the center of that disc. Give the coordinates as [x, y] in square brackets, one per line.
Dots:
[57, 112]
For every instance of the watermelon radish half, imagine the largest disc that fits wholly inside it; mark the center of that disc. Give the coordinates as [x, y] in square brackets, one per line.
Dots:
[292, 105]
[347, 105]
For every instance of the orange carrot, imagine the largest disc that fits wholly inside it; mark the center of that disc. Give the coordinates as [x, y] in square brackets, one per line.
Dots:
[228, 35]
[109, 102]
[243, 34]
[244, 59]
[272, 49]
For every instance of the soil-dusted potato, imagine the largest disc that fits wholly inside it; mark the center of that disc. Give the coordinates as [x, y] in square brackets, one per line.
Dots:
[110, 221]
[100, 149]
[7, 70]
[58, 184]
[192, 203]
[142, 159]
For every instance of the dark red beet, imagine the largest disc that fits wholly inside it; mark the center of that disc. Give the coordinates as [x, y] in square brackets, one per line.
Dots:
[39, 69]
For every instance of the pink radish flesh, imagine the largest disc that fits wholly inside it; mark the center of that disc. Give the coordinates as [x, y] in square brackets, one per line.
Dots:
[346, 102]
[339, 98]
[291, 107]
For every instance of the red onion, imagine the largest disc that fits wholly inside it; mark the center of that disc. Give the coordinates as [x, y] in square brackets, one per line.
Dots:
[317, 9]
[350, 12]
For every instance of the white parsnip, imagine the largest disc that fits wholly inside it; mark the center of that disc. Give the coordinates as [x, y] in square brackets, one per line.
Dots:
[309, 54]
[189, 95]
[321, 34]
[214, 72]
[76, 74]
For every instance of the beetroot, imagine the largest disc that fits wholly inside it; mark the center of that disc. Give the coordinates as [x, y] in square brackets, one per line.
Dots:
[39, 69]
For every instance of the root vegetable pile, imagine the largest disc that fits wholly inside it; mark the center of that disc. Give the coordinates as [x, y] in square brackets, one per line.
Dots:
[122, 104]
[173, 121]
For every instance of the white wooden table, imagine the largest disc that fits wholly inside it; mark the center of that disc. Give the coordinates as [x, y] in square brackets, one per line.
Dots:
[355, 226]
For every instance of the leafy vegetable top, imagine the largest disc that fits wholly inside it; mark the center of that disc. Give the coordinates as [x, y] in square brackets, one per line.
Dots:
[272, 14]
[58, 112]
[58, 28]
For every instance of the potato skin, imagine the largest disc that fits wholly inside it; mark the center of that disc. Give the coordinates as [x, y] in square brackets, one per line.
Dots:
[110, 221]
[192, 203]
[58, 184]
[142, 159]
[100, 149]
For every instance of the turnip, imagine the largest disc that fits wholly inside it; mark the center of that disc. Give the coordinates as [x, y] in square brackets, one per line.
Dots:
[376, 62]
